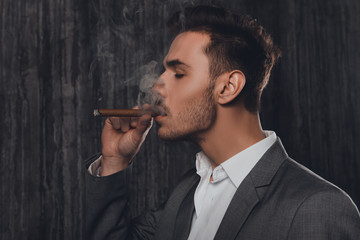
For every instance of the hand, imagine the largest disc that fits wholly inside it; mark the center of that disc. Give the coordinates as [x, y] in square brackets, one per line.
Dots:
[121, 140]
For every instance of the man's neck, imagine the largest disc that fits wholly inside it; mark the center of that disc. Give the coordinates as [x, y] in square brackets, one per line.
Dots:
[233, 132]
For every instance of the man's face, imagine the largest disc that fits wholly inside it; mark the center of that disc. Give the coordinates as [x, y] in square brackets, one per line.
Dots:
[185, 89]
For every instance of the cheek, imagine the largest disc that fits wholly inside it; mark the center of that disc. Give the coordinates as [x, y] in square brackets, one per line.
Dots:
[181, 93]
[183, 100]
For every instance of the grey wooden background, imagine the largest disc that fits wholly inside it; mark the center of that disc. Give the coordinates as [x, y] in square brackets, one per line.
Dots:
[61, 58]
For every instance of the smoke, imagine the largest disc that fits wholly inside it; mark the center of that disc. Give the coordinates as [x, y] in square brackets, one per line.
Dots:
[149, 78]
[127, 45]
[145, 78]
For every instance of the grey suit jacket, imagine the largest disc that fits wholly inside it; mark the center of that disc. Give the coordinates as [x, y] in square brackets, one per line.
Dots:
[279, 199]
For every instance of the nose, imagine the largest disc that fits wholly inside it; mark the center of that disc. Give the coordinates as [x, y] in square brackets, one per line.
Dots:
[159, 87]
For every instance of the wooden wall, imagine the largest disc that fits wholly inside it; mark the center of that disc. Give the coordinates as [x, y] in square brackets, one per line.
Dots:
[61, 58]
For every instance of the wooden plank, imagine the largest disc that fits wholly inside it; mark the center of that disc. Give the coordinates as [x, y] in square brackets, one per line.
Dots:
[61, 59]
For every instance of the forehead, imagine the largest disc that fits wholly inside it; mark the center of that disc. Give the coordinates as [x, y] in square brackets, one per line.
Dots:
[188, 47]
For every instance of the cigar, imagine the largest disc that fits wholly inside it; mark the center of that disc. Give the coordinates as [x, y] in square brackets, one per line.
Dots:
[123, 112]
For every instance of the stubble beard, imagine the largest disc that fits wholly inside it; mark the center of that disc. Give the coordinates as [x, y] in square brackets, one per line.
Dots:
[197, 117]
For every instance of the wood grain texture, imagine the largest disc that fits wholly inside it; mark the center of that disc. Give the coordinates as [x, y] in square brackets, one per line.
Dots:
[60, 59]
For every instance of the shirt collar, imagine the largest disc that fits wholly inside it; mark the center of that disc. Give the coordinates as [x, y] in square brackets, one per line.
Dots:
[202, 164]
[204, 169]
[239, 165]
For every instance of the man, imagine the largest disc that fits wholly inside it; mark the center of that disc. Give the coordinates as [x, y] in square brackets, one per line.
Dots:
[245, 186]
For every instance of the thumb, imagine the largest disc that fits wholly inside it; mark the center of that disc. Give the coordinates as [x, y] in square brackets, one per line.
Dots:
[143, 125]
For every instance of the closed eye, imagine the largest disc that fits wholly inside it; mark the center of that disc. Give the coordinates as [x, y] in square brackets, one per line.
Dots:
[178, 75]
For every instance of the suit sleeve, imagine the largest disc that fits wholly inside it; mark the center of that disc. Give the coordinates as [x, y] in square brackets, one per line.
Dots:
[329, 215]
[106, 201]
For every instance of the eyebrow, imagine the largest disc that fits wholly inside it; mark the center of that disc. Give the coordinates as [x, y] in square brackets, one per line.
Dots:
[175, 63]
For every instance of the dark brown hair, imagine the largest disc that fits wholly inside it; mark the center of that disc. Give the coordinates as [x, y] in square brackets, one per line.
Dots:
[238, 42]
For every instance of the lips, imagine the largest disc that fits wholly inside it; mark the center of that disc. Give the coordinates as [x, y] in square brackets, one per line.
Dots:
[159, 118]
[162, 111]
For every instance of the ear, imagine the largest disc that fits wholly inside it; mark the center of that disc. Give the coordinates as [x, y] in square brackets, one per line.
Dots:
[229, 86]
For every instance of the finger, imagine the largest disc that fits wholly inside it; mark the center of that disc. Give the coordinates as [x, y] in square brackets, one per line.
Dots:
[125, 124]
[144, 124]
[115, 122]
[133, 122]
[146, 106]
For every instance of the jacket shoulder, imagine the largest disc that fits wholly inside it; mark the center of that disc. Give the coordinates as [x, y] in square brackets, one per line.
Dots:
[300, 180]
[299, 203]
[320, 207]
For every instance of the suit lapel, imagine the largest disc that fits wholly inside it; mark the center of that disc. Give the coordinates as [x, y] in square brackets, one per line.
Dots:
[246, 196]
[244, 200]
[184, 192]
[185, 215]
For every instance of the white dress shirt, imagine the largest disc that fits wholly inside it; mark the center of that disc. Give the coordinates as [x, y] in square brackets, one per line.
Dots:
[212, 198]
